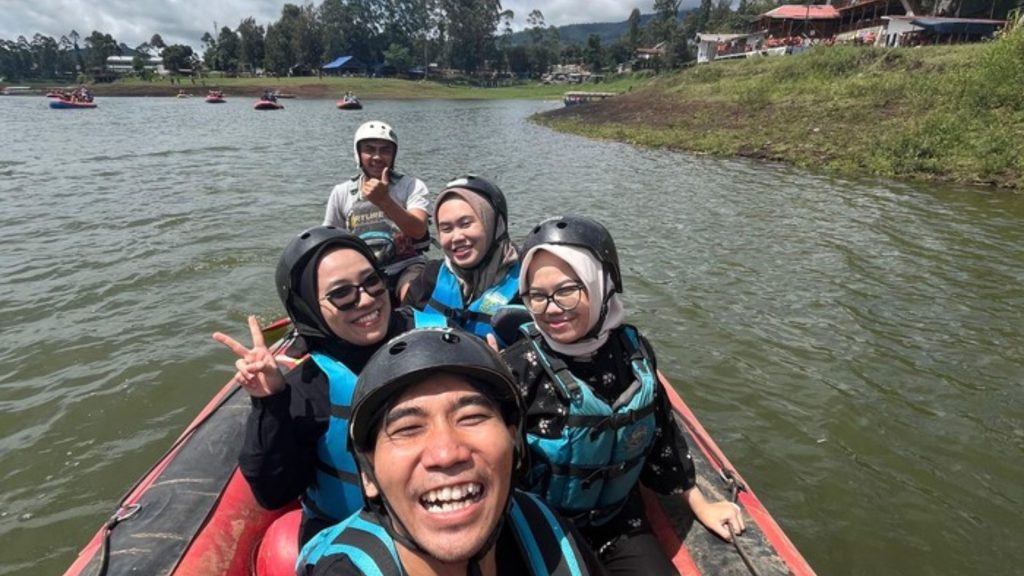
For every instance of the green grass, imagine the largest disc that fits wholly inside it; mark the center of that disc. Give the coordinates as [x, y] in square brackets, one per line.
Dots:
[951, 113]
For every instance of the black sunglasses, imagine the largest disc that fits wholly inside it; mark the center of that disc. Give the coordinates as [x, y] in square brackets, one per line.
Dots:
[346, 297]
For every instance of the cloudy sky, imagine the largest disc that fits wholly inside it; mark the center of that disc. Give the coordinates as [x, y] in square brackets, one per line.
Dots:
[184, 21]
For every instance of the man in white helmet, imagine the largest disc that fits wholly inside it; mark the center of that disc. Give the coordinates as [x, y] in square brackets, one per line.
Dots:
[387, 209]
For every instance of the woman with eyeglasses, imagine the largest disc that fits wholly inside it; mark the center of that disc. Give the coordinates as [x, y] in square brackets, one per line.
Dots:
[336, 296]
[598, 424]
[480, 271]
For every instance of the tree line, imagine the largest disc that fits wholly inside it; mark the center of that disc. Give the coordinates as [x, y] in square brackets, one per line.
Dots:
[473, 36]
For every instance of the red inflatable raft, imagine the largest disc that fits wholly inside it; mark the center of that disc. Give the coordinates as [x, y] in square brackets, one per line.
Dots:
[193, 512]
[66, 104]
[267, 105]
[349, 104]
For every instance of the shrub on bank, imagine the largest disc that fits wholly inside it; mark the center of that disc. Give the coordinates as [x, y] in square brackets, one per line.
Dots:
[998, 77]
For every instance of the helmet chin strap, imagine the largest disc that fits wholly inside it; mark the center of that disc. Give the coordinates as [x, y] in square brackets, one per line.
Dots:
[600, 319]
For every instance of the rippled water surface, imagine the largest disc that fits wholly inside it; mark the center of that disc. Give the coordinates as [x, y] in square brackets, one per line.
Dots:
[856, 347]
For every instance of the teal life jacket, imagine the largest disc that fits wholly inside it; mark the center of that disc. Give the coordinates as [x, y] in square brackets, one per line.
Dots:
[588, 472]
[546, 547]
[476, 318]
[337, 491]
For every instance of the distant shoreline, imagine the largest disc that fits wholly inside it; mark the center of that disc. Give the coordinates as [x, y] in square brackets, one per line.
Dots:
[326, 88]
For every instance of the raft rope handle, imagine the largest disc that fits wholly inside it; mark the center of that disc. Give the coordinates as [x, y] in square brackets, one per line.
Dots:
[731, 480]
[735, 487]
[123, 513]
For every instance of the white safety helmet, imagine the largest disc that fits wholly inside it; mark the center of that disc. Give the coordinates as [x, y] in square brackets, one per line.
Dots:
[373, 130]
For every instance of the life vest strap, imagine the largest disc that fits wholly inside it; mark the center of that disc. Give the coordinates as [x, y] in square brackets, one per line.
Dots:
[342, 412]
[591, 474]
[623, 419]
[556, 368]
[459, 315]
[344, 475]
[612, 421]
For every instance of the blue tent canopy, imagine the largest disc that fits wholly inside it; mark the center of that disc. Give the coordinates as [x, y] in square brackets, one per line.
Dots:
[343, 62]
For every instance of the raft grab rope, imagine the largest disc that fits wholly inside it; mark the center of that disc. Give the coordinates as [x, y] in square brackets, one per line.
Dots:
[123, 513]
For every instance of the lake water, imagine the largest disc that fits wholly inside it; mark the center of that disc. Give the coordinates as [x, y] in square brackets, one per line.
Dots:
[856, 347]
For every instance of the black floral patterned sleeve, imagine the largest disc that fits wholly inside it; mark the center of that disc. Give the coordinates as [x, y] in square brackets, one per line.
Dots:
[669, 468]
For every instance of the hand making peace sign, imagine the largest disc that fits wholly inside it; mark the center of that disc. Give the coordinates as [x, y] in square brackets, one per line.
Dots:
[257, 369]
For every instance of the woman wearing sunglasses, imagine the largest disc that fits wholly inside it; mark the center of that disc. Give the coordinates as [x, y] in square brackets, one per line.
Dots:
[480, 271]
[336, 296]
[598, 424]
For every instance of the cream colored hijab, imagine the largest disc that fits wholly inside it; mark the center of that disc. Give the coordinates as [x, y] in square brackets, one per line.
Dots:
[591, 275]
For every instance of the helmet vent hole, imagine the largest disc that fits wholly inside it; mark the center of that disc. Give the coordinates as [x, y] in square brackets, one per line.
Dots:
[561, 225]
[450, 338]
[398, 348]
[304, 235]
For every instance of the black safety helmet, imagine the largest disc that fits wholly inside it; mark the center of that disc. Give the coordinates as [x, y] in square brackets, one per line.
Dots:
[485, 188]
[410, 358]
[581, 232]
[302, 251]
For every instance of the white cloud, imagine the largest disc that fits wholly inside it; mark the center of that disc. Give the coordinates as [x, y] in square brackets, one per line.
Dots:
[561, 12]
[131, 21]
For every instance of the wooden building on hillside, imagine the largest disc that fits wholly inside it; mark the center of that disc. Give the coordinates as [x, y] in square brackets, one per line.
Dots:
[798, 20]
[877, 22]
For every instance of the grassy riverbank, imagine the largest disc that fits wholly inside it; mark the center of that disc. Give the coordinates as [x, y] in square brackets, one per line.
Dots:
[952, 113]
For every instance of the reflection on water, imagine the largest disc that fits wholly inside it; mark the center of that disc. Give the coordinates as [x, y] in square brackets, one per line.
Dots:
[855, 346]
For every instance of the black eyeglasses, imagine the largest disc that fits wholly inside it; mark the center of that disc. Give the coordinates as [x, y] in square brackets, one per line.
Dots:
[346, 297]
[566, 298]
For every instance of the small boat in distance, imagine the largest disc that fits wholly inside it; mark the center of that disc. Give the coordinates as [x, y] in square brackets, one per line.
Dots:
[183, 94]
[68, 104]
[279, 94]
[349, 102]
[267, 102]
[80, 98]
[215, 97]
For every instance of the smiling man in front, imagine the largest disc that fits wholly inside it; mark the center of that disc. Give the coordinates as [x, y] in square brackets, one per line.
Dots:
[436, 426]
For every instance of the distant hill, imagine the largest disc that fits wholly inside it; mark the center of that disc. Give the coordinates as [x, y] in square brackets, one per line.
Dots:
[579, 33]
